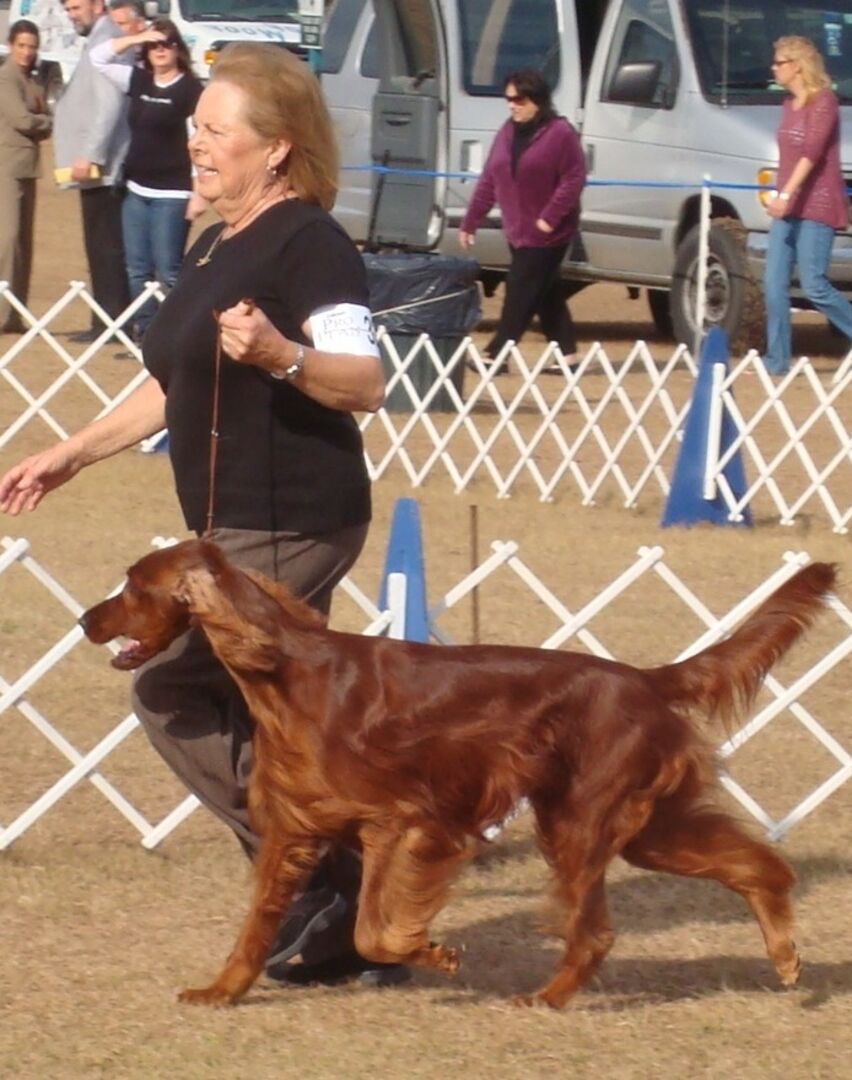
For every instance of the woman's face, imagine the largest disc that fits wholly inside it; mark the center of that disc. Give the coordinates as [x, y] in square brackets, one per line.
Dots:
[162, 56]
[23, 50]
[232, 161]
[784, 69]
[521, 108]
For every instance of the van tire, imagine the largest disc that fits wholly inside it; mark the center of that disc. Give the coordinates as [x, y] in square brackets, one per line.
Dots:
[735, 297]
[659, 304]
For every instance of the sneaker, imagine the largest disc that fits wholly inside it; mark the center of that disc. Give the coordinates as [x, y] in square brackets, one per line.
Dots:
[312, 914]
[348, 967]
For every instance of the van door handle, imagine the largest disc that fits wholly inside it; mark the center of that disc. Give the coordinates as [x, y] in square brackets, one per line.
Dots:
[470, 158]
[590, 157]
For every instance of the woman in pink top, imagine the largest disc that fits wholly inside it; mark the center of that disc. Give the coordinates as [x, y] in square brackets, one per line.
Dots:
[810, 203]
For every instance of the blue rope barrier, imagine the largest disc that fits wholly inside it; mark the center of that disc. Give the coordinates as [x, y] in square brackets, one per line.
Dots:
[725, 185]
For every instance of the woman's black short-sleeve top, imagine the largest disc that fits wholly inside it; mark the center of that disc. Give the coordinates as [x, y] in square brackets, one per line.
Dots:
[284, 462]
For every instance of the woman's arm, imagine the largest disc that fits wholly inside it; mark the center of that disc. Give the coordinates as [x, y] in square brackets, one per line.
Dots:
[15, 112]
[142, 414]
[103, 61]
[782, 204]
[337, 380]
[572, 180]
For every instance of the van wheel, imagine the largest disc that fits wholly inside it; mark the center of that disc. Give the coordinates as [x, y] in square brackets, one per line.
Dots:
[734, 297]
[661, 312]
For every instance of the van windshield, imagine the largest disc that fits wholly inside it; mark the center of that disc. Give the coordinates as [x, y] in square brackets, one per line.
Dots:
[279, 11]
[733, 41]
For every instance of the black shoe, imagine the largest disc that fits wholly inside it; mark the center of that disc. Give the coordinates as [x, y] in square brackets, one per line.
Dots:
[350, 967]
[84, 337]
[499, 368]
[312, 914]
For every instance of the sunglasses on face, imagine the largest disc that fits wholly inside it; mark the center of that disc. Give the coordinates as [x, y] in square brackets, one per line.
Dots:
[780, 63]
[516, 99]
[169, 43]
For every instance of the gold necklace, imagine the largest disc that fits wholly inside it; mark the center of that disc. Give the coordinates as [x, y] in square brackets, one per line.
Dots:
[217, 240]
[220, 236]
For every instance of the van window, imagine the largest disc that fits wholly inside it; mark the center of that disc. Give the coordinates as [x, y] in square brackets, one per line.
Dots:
[732, 41]
[369, 66]
[644, 34]
[338, 34]
[500, 36]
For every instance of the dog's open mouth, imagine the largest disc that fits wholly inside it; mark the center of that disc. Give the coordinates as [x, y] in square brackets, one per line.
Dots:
[132, 654]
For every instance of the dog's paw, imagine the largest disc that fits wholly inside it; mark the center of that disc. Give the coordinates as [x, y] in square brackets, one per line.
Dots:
[209, 995]
[524, 1001]
[790, 970]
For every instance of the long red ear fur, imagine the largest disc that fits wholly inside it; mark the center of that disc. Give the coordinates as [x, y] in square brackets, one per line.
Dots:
[724, 679]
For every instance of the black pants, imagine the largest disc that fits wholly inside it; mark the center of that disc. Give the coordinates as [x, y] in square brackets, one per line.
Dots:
[533, 287]
[101, 210]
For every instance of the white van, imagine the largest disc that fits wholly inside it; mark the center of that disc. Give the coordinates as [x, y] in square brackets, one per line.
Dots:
[205, 25]
[662, 91]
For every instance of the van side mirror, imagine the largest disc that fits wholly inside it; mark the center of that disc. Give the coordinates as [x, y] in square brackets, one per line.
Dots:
[154, 9]
[635, 84]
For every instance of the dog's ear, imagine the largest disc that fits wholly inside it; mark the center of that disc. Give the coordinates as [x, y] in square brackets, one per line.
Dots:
[240, 620]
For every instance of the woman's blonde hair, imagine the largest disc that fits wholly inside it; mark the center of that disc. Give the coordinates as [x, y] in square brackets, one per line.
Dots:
[285, 102]
[809, 59]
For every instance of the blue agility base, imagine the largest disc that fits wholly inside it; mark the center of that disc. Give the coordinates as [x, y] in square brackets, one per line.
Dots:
[686, 504]
[405, 556]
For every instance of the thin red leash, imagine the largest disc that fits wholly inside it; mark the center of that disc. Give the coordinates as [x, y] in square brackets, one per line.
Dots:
[214, 420]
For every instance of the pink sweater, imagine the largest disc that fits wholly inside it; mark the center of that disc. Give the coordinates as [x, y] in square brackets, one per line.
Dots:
[814, 132]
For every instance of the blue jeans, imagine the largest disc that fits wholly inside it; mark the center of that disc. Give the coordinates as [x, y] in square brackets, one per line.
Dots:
[154, 232]
[807, 244]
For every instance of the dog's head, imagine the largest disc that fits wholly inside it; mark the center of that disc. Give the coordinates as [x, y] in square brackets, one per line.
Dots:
[153, 608]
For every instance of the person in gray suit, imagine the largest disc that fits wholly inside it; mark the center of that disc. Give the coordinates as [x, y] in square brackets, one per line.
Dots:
[90, 141]
[24, 122]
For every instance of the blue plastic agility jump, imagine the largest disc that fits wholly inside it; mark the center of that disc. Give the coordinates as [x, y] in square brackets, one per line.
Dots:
[405, 556]
[687, 503]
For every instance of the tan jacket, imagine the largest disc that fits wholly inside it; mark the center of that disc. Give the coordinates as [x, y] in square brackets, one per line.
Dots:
[23, 123]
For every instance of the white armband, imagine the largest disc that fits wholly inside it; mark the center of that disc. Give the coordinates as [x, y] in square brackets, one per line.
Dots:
[344, 328]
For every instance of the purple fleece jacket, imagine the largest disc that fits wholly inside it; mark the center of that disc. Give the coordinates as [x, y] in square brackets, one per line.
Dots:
[547, 184]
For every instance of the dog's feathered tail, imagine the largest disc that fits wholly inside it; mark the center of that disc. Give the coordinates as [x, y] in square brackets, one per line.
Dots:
[723, 680]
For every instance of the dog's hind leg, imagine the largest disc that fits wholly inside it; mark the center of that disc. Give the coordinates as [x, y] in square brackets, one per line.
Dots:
[695, 841]
[579, 852]
[283, 865]
[405, 884]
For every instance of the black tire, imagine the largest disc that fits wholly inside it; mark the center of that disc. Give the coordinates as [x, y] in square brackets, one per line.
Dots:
[659, 304]
[734, 296]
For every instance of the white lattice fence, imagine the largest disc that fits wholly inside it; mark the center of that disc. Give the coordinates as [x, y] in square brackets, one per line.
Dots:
[608, 431]
[791, 714]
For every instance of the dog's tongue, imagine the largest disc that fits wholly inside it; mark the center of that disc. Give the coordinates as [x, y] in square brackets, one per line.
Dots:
[128, 656]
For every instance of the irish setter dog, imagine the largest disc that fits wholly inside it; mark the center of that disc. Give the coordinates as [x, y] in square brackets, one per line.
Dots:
[409, 751]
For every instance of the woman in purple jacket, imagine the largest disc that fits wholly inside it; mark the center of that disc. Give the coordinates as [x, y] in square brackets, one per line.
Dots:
[535, 174]
[810, 202]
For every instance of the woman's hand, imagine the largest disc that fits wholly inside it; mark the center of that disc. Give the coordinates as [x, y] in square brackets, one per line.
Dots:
[778, 208]
[250, 338]
[466, 240]
[25, 484]
[542, 226]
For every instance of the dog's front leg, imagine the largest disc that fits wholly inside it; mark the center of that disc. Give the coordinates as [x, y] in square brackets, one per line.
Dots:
[283, 865]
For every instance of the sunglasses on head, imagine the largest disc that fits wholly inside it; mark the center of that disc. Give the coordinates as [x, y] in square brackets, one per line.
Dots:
[516, 99]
